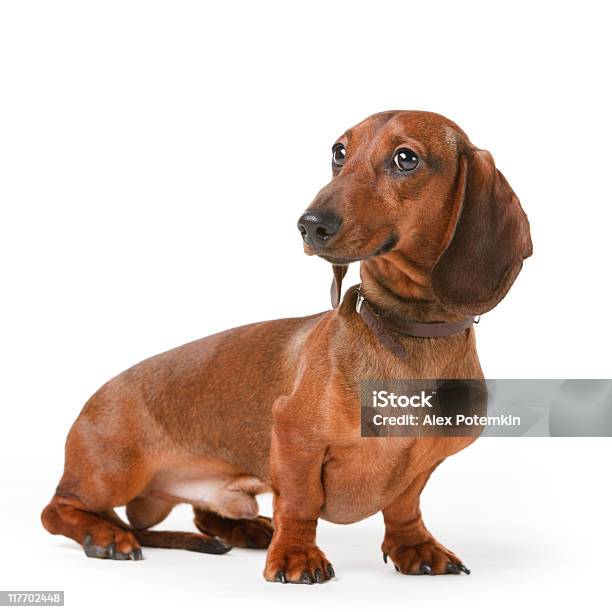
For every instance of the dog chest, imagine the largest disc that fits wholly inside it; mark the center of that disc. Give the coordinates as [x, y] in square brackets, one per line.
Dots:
[361, 479]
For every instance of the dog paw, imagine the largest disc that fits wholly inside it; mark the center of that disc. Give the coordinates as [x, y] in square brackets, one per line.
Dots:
[251, 533]
[112, 543]
[243, 533]
[297, 565]
[429, 558]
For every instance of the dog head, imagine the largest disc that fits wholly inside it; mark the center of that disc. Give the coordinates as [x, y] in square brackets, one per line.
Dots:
[410, 190]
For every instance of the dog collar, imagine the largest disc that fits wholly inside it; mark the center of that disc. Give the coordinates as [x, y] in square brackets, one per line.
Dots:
[387, 329]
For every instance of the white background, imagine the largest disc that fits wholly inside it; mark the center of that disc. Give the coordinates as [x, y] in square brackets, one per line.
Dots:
[154, 159]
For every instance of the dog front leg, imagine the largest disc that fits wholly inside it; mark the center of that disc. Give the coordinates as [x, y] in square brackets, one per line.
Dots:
[408, 543]
[296, 459]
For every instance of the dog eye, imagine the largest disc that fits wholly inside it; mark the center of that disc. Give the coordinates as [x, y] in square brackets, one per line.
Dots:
[338, 155]
[406, 160]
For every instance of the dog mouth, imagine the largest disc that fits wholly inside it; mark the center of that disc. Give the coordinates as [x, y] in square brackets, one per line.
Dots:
[385, 247]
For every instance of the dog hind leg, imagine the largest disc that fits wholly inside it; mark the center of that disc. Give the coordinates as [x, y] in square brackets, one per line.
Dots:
[243, 533]
[103, 472]
[104, 536]
[98, 536]
[145, 511]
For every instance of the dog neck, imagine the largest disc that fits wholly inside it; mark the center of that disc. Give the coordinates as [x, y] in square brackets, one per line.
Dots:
[396, 286]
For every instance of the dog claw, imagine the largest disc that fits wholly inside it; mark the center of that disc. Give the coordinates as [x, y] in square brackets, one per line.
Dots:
[318, 576]
[123, 556]
[397, 569]
[427, 569]
[95, 551]
[451, 568]
[385, 557]
[280, 577]
[307, 578]
[87, 544]
[464, 569]
[330, 571]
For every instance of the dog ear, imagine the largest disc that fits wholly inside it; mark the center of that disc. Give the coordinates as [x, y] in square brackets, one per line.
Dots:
[487, 241]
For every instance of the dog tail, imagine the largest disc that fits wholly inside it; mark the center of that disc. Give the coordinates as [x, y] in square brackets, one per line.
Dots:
[183, 540]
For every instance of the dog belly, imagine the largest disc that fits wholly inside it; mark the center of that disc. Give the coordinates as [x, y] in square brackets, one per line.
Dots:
[213, 487]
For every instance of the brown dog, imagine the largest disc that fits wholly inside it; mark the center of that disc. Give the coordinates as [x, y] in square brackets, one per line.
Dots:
[276, 405]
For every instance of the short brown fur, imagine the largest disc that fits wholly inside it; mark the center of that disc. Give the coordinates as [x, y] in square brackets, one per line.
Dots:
[289, 419]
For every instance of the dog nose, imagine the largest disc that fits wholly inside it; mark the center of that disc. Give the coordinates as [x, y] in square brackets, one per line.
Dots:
[318, 228]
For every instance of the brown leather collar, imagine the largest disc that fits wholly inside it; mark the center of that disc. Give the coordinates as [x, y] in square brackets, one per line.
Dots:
[387, 328]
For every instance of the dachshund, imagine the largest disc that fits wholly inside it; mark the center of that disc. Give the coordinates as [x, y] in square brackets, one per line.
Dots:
[440, 237]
